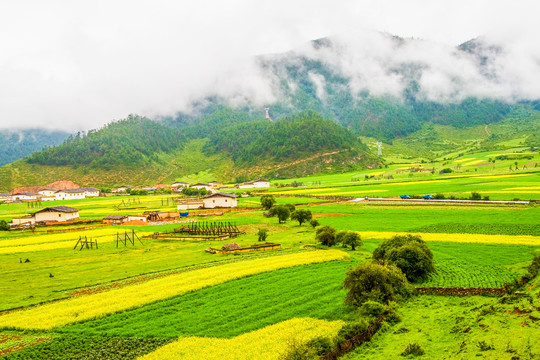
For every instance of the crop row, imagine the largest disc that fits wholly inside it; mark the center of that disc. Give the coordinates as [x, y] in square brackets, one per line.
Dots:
[459, 238]
[267, 343]
[313, 290]
[91, 306]
[488, 229]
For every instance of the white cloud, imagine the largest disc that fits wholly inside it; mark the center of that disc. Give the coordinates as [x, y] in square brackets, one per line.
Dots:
[77, 65]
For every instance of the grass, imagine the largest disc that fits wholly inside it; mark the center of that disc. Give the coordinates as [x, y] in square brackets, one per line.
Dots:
[238, 307]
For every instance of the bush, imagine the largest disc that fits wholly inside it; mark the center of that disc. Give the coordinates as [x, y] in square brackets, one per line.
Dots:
[409, 253]
[372, 309]
[267, 201]
[298, 351]
[475, 196]
[262, 234]
[351, 329]
[321, 345]
[314, 223]
[326, 235]
[445, 171]
[413, 349]
[375, 282]
[4, 225]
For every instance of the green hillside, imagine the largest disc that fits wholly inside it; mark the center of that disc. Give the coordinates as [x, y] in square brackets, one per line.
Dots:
[16, 144]
[140, 151]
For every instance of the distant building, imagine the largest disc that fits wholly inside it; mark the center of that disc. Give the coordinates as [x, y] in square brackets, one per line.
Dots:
[5, 197]
[219, 200]
[215, 183]
[121, 189]
[190, 205]
[205, 186]
[179, 185]
[24, 196]
[114, 219]
[90, 192]
[255, 184]
[50, 214]
[69, 194]
[47, 193]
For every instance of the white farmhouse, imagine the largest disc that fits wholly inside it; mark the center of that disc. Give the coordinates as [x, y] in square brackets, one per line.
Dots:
[255, 184]
[190, 205]
[50, 214]
[24, 196]
[90, 192]
[69, 194]
[205, 186]
[121, 189]
[47, 194]
[219, 200]
[179, 185]
[5, 197]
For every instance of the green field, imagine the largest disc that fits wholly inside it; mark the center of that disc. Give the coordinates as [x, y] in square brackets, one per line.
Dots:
[474, 245]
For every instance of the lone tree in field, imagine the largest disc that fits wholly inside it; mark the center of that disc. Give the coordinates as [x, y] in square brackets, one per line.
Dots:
[409, 253]
[352, 239]
[281, 211]
[326, 235]
[262, 234]
[267, 201]
[375, 282]
[301, 215]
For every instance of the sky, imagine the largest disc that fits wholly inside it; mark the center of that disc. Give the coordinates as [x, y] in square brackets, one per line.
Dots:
[76, 65]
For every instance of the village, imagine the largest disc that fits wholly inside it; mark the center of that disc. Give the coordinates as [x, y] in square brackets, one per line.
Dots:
[55, 215]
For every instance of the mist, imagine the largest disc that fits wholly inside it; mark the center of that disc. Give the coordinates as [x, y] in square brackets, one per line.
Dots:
[74, 66]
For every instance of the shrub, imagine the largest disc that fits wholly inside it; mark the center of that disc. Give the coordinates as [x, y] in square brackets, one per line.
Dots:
[484, 346]
[475, 196]
[439, 196]
[413, 349]
[321, 345]
[298, 351]
[372, 309]
[445, 171]
[375, 282]
[409, 253]
[351, 329]
[4, 225]
[314, 223]
[262, 234]
[326, 235]
[267, 201]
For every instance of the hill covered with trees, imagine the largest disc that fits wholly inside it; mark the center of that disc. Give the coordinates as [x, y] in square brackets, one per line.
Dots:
[16, 144]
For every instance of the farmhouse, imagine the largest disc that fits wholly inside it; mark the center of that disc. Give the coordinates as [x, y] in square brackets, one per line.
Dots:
[50, 214]
[259, 183]
[179, 184]
[47, 194]
[69, 194]
[24, 196]
[215, 183]
[205, 186]
[219, 200]
[90, 192]
[114, 219]
[190, 205]
[5, 197]
[121, 189]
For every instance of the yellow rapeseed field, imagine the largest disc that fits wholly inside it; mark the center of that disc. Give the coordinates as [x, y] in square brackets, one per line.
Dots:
[265, 344]
[524, 188]
[501, 176]
[416, 182]
[58, 241]
[304, 191]
[467, 238]
[463, 160]
[87, 307]
[474, 162]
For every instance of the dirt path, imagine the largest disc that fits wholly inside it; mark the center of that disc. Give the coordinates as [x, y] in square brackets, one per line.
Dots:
[487, 130]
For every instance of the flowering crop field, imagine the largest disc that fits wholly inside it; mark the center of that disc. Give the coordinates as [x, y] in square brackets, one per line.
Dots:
[302, 291]
[460, 238]
[58, 241]
[88, 307]
[268, 343]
